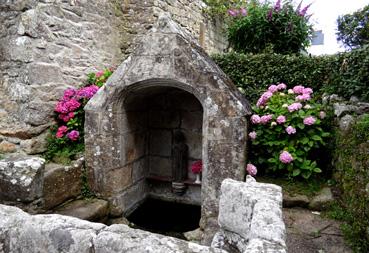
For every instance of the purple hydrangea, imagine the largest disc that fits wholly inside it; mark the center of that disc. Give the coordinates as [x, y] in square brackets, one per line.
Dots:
[309, 120]
[290, 130]
[281, 119]
[294, 107]
[251, 169]
[252, 135]
[285, 157]
[73, 135]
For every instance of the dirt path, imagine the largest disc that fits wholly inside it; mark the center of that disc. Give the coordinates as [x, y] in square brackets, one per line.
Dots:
[310, 233]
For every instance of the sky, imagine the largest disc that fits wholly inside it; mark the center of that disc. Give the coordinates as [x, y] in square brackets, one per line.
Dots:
[325, 13]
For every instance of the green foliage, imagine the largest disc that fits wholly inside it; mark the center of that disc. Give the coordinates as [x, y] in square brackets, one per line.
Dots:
[352, 163]
[299, 132]
[279, 28]
[295, 186]
[345, 74]
[353, 29]
[219, 8]
[62, 150]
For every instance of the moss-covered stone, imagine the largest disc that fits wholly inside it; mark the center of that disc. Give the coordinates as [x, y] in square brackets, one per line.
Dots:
[352, 165]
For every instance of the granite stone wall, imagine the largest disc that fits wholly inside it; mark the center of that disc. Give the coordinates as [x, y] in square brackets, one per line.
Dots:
[49, 45]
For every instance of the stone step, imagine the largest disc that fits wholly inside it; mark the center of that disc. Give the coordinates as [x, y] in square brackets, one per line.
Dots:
[86, 209]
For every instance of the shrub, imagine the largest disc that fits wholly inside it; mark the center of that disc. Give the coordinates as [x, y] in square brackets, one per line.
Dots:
[286, 129]
[352, 174]
[345, 74]
[219, 8]
[262, 27]
[353, 29]
[67, 137]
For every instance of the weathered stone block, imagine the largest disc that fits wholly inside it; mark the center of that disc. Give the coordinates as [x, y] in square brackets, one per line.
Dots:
[121, 178]
[61, 183]
[250, 216]
[21, 179]
[131, 197]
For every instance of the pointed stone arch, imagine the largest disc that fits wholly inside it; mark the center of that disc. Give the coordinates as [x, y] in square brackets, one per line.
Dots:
[165, 57]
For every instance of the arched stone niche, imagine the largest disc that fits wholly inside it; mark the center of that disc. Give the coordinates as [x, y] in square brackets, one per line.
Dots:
[168, 83]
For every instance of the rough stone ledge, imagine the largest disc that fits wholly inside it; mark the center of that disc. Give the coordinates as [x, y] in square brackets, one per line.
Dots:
[21, 232]
[21, 178]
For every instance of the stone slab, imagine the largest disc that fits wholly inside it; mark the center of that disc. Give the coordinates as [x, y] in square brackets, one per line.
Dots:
[21, 178]
[89, 209]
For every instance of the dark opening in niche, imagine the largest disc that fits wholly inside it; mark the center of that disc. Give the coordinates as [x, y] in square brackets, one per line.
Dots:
[167, 218]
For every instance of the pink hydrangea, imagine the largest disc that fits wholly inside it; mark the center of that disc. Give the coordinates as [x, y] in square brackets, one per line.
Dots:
[255, 119]
[307, 91]
[68, 93]
[290, 130]
[309, 120]
[251, 169]
[66, 117]
[294, 107]
[266, 118]
[232, 12]
[273, 88]
[281, 119]
[243, 11]
[303, 97]
[299, 89]
[99, 74]
[61, 131]
[73, 135]
[61, 107]
[281, 86]
[285, 157]
[252, 135]
[322, 114]
[264, 98]
[72, 105]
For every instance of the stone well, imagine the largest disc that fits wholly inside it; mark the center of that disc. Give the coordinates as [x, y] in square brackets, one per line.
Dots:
[168, 84]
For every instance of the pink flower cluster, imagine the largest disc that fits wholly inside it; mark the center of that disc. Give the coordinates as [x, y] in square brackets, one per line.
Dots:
[269, 93]
[61, 131]
[285, 157]
[309, 120]
[71, 101]
[237, 12]
[196, 167]
[251, 169]
[290, 130]
[281, 119]
[252, 135]
[73, 135]
[68, 105]
[294, 107]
